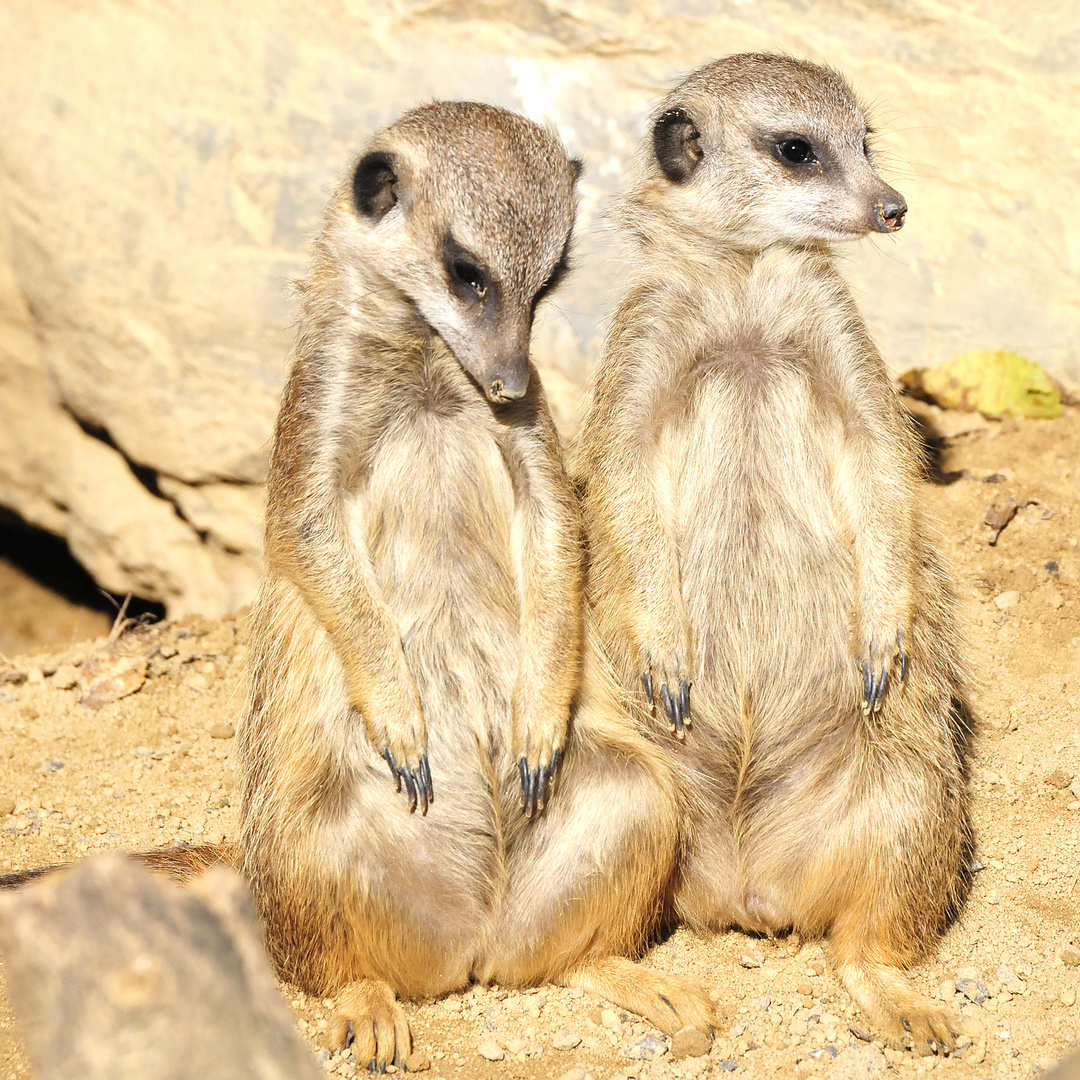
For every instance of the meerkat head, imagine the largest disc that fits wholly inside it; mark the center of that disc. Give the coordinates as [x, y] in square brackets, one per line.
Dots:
[467, 209]
[765, 149]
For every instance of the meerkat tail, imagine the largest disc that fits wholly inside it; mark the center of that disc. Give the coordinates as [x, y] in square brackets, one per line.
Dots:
[181, 864]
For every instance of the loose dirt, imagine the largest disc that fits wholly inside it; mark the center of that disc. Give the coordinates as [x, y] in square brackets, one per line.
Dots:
[156, 767]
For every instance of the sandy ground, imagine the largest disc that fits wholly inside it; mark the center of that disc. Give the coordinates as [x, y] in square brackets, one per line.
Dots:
[156, 767]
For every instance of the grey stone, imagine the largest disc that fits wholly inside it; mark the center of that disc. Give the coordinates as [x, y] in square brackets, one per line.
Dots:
[649, 1048]
[974, 990]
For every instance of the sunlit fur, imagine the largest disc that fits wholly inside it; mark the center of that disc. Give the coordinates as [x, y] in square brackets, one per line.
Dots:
[752, 508]
[423, 592]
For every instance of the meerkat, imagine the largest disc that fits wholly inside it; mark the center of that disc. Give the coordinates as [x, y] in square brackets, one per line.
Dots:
[761, 576]
[416, 648]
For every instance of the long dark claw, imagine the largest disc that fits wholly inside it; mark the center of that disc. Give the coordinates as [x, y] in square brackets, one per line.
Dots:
[676, 705]
[541, 788]
[410, 787]
[393, 768]
[879, 693]
[669, 705]
[523, 771]
[425, 771]
[868, 685]
[373, 1067]
[903, 666]
[556, 761]
[421, 790]
[350, 1034]
[647, 680]
[530, 801]
[684, 699]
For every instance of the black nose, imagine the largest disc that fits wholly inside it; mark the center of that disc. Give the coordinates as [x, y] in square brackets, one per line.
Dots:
[889, 215]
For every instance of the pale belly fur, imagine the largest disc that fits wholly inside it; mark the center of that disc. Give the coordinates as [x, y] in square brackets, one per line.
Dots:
[766, 574]
[437, 513]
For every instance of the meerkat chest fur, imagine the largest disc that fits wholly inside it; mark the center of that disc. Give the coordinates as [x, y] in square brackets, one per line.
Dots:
[435, 511]
[745, 459]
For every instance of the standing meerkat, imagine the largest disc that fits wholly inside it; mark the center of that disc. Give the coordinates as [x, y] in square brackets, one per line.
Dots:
[759, 565]
[419, 624]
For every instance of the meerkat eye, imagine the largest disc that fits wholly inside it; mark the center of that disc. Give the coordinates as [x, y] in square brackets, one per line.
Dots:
[467, 273]
[796, 151]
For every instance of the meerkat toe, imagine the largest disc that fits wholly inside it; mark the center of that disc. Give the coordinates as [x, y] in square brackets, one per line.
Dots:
[682, 1003]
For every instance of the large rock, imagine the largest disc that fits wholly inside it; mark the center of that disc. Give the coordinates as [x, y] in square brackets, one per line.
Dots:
[162, 166]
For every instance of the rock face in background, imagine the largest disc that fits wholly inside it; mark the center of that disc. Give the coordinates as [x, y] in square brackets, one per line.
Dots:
[162, 166]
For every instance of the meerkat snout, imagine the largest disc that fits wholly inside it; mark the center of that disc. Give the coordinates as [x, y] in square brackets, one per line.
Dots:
[889, 215]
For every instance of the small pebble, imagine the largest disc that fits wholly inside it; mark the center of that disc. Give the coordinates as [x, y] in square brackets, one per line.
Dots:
[491, 1050]
[516, 1046]
[417, 1063]
[727, 1065]
[7, 806]
[1070, 956]
[1068, 997]
[576, 1073]
[1007, 600]
[946, 990]
[647, 1049]
[689, 1042]
[975, 990]
[221, 731]
[566, 1040]
[1059, 779]
[610, 1019]
[752, 959]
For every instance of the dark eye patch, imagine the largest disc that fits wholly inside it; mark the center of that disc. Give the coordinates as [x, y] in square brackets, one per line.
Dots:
[469, 279]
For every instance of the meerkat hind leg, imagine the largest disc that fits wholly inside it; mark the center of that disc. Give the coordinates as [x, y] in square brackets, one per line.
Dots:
[588, 878]
[370, 1016]
[881, 989]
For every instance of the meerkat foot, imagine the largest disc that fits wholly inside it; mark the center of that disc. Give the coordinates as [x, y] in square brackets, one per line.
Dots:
[671, 1002]
[371, 1019]
[897, 1012]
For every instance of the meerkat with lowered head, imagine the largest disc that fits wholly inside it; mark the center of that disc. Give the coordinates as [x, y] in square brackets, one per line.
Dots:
[419, 624]
[758, 563]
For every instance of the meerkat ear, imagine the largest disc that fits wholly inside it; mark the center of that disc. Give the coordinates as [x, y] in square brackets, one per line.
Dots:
[374, 185]
[677, 145]
[577, 167]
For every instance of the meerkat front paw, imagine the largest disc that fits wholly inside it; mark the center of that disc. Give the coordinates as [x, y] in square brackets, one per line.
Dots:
[666, 681]
[539, 740]
[882, 661]
[398, 734]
